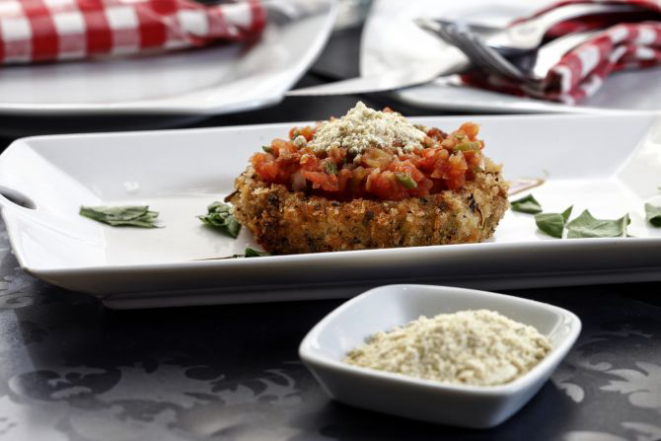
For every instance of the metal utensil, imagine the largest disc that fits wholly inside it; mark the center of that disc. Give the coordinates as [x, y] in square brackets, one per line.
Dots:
[457, 62]
[491, 60]
[458, 36]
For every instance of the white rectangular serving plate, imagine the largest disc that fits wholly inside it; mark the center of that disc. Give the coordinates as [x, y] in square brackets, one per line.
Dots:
[610, 164]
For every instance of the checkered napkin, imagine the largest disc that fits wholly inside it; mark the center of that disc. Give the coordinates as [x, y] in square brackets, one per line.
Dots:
[581, 72]
[50, 30]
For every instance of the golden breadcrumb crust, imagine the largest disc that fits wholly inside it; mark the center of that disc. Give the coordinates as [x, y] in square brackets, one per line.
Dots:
[286, 222]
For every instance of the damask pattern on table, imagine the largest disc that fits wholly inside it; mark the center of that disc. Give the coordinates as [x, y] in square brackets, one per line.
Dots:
[71, 370]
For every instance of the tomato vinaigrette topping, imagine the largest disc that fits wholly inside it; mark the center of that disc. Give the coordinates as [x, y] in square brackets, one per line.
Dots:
[372, 154]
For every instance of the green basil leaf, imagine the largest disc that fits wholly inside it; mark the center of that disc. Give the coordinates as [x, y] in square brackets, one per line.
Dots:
[653, 215]
[527, 204]
[254, 253]
[249, 252]
[553, 224]
[129, 215]
[219, 216]
[587, 226]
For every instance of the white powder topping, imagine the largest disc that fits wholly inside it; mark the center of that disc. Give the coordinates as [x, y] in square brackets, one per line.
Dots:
[363, 127]
[479, 347]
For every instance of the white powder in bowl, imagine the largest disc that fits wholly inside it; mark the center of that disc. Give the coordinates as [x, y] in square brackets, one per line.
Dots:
[479, 347]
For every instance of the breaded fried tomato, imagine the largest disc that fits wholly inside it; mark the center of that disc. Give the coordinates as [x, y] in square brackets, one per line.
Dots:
[370, 179]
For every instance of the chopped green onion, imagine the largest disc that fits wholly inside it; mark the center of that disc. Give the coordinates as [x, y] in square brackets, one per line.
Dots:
[406, 180]
[267, 148]
[467, 146]
[330, 168]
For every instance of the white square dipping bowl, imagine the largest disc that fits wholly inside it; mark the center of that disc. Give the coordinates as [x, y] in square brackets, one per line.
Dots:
[383, 308]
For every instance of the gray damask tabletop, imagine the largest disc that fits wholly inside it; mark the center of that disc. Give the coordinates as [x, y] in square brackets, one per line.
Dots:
[72, 370]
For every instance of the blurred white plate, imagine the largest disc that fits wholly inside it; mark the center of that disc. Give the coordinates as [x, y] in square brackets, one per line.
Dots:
[391, 40]
[178, 173]
[386, 307]
[214, 80]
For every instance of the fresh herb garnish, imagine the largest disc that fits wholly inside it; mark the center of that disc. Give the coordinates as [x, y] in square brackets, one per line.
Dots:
[249, 252]
[330, 168]
[254, 253]
[653, 215]
[406, 180]
[587, 226]
[527, 204]
[267, 148]
[220, 217]
[553, 224]
[128, 215]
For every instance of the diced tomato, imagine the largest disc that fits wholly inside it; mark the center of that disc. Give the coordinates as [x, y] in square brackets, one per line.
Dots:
[469, 129]
[266, 166]
[454, 171]
[337, 154]
[385, 186]
[308, 132]
[322, 180]
[435, 134]
[309, 162]
[423, 189]
[344, 177]
[385, 173]
[376, 158]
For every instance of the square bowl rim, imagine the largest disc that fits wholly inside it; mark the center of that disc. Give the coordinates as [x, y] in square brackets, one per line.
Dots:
[314, 357]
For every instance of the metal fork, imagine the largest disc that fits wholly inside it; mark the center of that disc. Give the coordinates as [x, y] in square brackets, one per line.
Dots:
[532, 68]
[492, 51]
[464, 40]
[480, 54]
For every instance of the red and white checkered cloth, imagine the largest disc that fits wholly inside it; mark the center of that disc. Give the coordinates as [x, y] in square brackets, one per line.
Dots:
[581, 72]
[51, 30]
